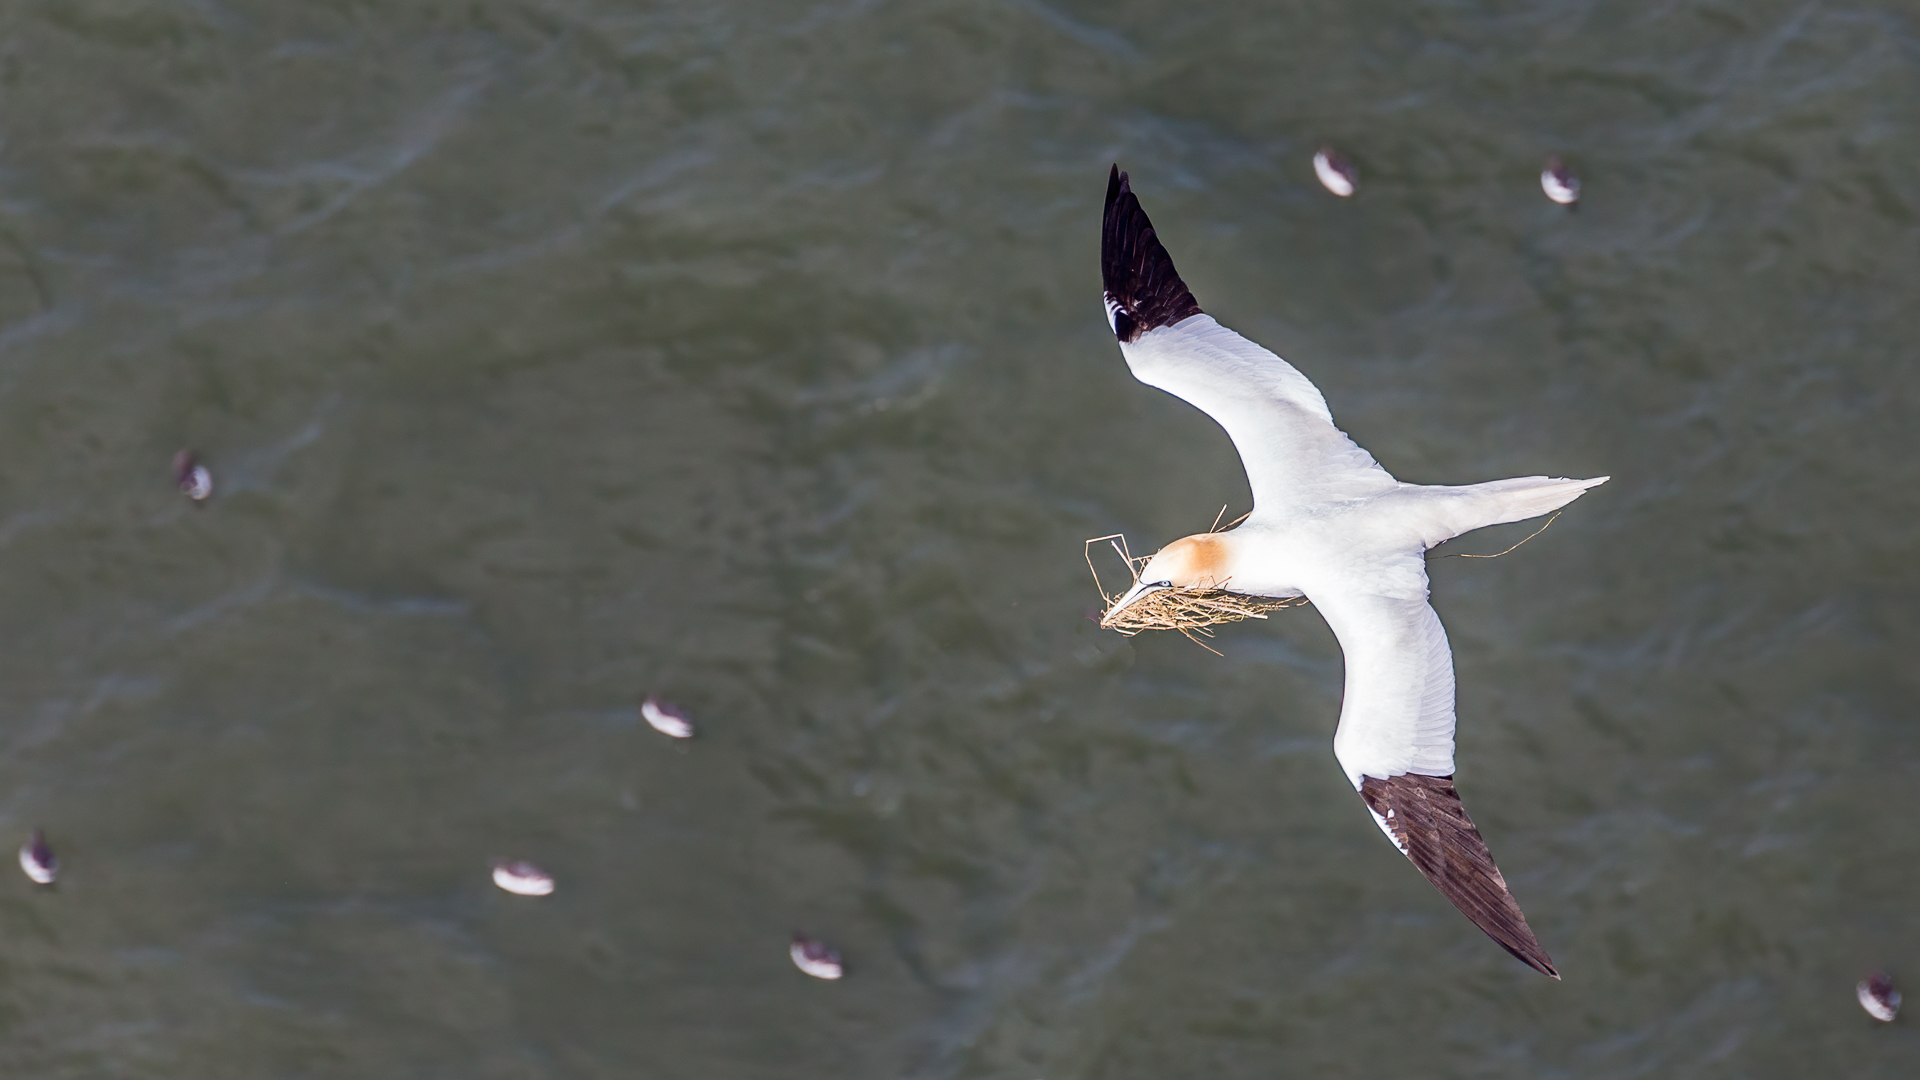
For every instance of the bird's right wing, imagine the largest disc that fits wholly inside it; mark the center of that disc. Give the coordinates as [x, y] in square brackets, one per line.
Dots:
[1275, 416]
[1423, 817]
[1395, 742]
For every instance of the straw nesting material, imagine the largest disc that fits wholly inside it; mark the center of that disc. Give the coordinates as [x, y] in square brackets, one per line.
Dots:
[1174, 608]
[1188, 610]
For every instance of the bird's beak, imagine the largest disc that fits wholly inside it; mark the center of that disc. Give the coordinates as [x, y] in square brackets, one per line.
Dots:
[1140, 589]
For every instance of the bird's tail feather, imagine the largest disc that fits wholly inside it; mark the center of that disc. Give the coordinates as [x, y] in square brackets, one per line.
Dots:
[1496, 502]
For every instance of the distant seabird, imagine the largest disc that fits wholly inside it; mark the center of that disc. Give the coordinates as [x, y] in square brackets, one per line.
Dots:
[814, 957]
[191, 477]
[1559, 183]
[36, 858]
[1878, 997]
[1330, 524]
[522, 878]
[666, 718]
[1336, 173]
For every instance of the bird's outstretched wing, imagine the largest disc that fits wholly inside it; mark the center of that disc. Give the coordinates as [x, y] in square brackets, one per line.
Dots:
[1395, 742]
[1275, 416]
[1422, 815]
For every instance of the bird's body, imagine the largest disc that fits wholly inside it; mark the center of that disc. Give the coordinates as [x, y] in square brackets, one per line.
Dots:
[815, 957]
[522, 878]
[1335, 172]
[1329, 524]
[1560, 184]
[36, 858]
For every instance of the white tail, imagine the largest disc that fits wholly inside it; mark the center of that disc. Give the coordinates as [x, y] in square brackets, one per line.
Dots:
[1456, 510]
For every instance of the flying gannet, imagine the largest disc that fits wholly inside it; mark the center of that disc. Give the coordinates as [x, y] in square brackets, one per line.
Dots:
[1336, 173]
[815, 957]
[1559, 183]
[666, 718]
[1330, 524]
[191, 477]
[1878, 997]
[522, 878]
[36, 858]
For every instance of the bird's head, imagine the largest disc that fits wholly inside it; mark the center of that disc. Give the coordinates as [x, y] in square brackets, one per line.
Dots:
[1191, 562]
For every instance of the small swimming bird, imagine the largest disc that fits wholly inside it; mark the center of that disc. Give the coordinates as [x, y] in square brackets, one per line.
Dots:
[666, 718]
[1878, 997]
[1330, 524]
[36, 858]
[1559, 183]
[522, 878]
[1336, 173]
[814, 957]
[191, 477]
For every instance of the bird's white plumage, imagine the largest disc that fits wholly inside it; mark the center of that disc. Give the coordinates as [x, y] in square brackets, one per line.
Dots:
[1879, 998]
[38, 862]
[666, 719]
[1275, 416]
[815, 958]
[522, 878]
[1332, 176]
[1386, 827]
[1329, 522]
[1397, 713]
[1560, 185]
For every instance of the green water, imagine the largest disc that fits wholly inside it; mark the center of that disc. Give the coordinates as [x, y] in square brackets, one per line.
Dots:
[548, 353]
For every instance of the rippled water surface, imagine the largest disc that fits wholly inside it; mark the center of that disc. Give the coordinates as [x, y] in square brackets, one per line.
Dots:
[549, 353]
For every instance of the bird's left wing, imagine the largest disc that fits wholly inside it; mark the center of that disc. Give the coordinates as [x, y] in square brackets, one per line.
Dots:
[1395, 742]
[1276, 417]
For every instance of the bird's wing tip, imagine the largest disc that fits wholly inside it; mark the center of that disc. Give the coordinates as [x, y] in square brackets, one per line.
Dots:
[1143, 290]
[1431, 828]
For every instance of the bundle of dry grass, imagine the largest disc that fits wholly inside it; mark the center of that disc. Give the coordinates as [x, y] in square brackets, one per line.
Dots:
[1190, 611]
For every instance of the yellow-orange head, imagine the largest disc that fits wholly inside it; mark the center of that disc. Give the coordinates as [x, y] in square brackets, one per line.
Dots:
[1191, 562]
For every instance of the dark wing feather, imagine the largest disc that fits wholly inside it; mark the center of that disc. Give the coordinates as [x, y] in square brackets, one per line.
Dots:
[1431, 827]
[1143, 288]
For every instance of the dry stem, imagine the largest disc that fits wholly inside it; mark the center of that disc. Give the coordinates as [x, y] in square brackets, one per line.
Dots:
[1190, 611]
[1497, 554]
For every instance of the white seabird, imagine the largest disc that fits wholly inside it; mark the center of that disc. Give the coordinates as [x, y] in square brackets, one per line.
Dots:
[522, 878]
[191, 477]
[1330, 524]
[1336, 173]
[1559, 183]
[1878, 997]
[815, 957]
[666, 718]
[37, 859]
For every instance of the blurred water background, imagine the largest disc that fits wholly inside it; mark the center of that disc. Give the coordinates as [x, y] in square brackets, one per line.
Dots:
[548, 353]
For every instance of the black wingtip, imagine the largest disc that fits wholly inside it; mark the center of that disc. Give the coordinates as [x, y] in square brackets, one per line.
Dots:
[1143, 289]
[1433, 830]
